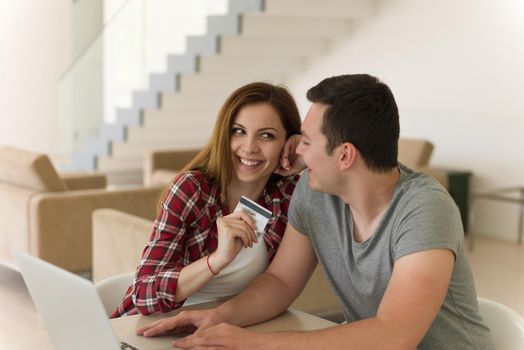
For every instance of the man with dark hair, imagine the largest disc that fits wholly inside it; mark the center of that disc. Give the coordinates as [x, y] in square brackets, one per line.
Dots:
[389, 239]
[364, 101]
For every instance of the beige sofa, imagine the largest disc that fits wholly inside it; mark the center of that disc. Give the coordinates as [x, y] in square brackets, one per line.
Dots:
[49, 215]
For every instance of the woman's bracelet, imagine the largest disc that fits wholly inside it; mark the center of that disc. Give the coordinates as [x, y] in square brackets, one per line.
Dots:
[209, 266]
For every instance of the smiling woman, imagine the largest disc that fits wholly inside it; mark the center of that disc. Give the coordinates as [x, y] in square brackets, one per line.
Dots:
[200, 248]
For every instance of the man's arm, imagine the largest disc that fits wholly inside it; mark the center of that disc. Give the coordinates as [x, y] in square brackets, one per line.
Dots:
[267, 296]
[410, 304]
[273, 291]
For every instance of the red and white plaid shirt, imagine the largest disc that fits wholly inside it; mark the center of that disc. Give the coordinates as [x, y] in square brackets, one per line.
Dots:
[185, 231]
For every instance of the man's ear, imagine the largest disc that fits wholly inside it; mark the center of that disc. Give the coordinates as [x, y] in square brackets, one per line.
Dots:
[347, 155]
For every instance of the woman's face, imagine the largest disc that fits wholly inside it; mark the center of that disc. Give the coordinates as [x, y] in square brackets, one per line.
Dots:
[257, 140]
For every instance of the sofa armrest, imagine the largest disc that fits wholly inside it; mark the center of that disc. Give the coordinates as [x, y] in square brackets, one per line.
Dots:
[173, 160]
[84, 181]
[60, 223]
[118, 241]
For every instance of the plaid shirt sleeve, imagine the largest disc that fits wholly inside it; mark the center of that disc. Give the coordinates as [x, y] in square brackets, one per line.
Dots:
[155, 284]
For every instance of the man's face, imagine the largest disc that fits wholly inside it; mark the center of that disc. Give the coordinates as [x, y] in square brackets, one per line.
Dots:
[322, 168]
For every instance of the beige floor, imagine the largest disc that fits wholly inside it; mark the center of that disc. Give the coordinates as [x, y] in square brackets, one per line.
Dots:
[498, 269]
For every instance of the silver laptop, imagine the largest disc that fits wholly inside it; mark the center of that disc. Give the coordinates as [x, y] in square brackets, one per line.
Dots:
[73, 312]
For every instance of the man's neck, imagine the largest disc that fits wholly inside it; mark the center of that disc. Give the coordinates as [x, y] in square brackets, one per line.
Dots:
[368, 196]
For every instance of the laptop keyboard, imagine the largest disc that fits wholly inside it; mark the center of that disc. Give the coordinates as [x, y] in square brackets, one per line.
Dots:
[126, 346]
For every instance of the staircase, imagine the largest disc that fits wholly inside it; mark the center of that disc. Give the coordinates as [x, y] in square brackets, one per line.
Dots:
[271, 40]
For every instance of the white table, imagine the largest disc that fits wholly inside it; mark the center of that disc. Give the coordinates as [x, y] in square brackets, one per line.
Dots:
[291, 320]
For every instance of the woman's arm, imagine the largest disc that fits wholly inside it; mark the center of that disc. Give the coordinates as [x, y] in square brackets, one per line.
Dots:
[169, 250]
[173, 264]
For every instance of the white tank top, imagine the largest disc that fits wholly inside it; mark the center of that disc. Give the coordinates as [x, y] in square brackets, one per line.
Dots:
[234, 278]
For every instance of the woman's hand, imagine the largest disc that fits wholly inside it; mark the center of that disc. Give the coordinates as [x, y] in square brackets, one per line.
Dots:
[291, 162]
[235, 231]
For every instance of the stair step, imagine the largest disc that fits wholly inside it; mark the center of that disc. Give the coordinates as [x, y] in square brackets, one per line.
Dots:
[325, 8]
[281, 48]
[242, 65]
[139, 148]
[177, 119]
[207, 83]
[155, 134]
[184, 101]
[266, 25]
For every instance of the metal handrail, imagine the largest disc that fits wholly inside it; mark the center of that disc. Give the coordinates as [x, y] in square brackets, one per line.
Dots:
[495, 195]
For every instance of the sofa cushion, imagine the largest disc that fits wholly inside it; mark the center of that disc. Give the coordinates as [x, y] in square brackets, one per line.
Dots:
[29, 170]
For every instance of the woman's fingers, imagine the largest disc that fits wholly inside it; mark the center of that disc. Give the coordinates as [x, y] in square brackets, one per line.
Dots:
[239, 225]
[248, 219]
[240, 230]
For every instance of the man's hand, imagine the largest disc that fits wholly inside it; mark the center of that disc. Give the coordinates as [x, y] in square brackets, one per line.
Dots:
[223, 336]
[185, 321]
[290, 162]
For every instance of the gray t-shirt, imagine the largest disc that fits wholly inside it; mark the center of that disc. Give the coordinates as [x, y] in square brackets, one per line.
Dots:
[422, 216]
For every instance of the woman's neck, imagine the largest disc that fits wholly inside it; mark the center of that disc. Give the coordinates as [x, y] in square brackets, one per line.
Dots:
[236, 189]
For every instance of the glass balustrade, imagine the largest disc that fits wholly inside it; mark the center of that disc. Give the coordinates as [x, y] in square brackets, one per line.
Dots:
[134, 42]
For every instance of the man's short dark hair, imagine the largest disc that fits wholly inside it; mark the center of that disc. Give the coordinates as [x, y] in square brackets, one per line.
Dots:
[361, 110]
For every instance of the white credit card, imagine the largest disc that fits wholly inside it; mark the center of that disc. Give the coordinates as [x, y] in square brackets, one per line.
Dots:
[259, 214]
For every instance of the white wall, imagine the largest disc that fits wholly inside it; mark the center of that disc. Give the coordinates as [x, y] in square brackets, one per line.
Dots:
[35, 46]
[456, 69]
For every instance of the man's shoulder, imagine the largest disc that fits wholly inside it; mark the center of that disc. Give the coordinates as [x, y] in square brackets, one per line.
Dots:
[421, 201]
[416, 186]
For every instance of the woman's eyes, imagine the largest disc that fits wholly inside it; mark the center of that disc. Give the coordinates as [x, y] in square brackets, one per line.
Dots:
[237, 131]
[267, 135]
[264, 135]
